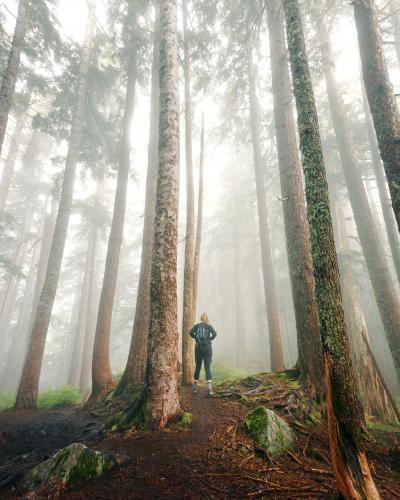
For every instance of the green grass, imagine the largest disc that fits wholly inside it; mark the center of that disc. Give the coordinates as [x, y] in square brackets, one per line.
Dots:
[48, 400]
[223, 371]
[6, 401]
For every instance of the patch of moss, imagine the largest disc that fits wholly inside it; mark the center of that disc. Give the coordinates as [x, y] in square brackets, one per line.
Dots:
[184, 421]
[382, 427]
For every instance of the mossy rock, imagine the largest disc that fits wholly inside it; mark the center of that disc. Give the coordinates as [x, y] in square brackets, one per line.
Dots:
[70, 466]
[270, 431]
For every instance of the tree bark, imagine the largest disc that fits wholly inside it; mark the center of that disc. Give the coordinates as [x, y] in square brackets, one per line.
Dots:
[7, 304]
[345, 416]
[384, 196]
[294, 209]
[188, 280]
[16, 352]
[199, 225]
[101, 370]
[91, 315]
[275, 341]
[379, 273]
[162, 385]
[137, 359]
[79, 341]
[372, 393]
[12, 69]
[381, 98]
[28, 389]
[240, 301]
[9, 164]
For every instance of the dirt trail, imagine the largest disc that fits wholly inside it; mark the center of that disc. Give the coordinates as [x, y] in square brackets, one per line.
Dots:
[213, 458]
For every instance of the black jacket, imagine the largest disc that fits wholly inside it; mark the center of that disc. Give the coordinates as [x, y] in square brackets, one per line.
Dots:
[203, 334]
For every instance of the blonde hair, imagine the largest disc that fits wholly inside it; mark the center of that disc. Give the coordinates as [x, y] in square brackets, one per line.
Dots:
[204, 318]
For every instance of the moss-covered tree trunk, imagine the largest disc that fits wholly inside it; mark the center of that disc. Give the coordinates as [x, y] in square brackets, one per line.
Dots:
[372, 394]
[384, 196]
[29, 385]
[188, 273]
[345, 415]
[134, 372]
[382, 101]
[161, 381]
[274, 330]
[199, 225]
[12, 69]
[101, 370]
[294, 209]
[371, 243]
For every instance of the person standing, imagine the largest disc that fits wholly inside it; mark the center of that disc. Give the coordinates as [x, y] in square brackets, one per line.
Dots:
[203, 333]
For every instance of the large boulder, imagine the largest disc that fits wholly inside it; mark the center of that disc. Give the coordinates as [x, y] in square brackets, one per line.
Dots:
[270, 431]
[70, 466]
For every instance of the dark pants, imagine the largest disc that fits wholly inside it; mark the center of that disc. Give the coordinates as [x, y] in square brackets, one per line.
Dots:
[203, 353]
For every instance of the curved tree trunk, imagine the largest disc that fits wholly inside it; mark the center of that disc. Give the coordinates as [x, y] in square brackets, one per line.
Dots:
[136, 365]
[381, 98]
[9, 164]
[28, 389]
[101, 369]
[188, 280]
[294, 209]
[345, 415]
[11, 74]
[199, 226]
[379, 273]
[274, 331]
[161, 378]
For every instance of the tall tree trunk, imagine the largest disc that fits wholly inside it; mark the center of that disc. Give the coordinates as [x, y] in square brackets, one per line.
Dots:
[381, 98]
[136, 365]
[47, 237]
[16, 352]
[80, 335]
[372, 394]
[379, 273]
[28, 389]
[11, 73]
[188, 280]
[199, 225]
[240, 325]
[7, 304]
[85, 380]
[384, 197]
[161, 378]
[9, 164]
[275, 341]
[345, 415]
[294, 209]
[101, 369]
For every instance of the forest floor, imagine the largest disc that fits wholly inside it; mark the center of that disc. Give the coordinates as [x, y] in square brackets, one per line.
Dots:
[213, 458]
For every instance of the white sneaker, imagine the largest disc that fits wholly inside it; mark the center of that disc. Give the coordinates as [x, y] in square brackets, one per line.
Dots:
[195, 389]
[209, 389]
